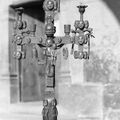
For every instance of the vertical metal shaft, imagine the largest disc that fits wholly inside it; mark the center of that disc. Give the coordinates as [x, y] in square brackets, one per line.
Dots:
[50, 110]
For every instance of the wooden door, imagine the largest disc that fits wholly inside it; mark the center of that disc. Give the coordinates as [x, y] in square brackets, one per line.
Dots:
[27, 76]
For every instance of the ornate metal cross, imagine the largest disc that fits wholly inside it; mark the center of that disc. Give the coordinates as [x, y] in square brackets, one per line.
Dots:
[50, 44]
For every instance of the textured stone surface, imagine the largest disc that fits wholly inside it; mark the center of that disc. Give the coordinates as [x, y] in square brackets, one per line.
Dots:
[102, 70]
[112, 96]
[96, 70]
[113, 115]
[80, 100]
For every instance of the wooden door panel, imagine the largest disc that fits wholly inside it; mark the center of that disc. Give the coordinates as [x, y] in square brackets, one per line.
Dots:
[33, 77]
[28, 83]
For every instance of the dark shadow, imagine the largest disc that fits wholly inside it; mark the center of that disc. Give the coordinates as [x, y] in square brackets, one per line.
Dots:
[33, 9]
[114, 5]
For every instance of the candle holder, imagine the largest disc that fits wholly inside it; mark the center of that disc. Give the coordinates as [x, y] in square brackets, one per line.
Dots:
[50, 44]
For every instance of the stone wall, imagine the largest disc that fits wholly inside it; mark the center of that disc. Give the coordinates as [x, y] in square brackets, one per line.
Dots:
[101, 72]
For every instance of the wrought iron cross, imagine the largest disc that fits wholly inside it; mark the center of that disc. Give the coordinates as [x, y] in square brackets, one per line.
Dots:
[50, 44]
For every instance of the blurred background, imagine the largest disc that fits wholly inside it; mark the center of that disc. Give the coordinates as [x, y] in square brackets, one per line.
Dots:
[86, 89]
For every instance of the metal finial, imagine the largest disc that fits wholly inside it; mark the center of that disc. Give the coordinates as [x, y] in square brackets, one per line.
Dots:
[81, 8]
[19, 10]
